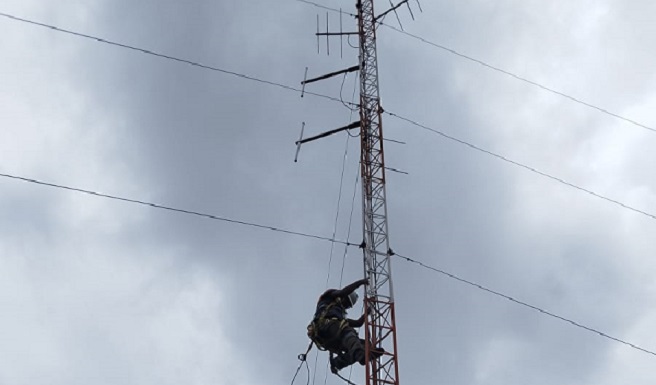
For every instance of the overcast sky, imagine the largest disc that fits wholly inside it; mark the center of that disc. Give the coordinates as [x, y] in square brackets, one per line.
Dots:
[99, 291]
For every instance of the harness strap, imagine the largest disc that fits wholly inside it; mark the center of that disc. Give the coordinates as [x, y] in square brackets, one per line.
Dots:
[314, 327]
[337, 301]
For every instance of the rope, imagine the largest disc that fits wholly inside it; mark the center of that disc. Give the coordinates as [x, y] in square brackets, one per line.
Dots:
[345, 380]
[303, 358]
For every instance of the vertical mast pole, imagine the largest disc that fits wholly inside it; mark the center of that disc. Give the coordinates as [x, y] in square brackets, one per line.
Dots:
[380, 328]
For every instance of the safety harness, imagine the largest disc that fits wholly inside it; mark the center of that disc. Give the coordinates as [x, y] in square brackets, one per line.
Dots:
[322, 343]
[318, 323]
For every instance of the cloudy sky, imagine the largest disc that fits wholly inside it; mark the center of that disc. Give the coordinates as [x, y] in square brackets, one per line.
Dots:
[100, 291]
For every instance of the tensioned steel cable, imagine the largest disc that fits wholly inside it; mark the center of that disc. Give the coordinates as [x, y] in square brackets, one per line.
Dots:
[532, 169]
[168, 57]
[326, 7]
[495, 68]
[322, 96]
[525, 304]
[525, 80]
[178, 210]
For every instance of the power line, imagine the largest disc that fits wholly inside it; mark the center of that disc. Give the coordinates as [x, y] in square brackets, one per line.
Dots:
[168, 57]
[178, 210]
[543, 311]
[532, 169]
[498, 69]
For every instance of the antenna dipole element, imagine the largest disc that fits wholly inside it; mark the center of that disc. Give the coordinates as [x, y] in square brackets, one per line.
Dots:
[380, 325]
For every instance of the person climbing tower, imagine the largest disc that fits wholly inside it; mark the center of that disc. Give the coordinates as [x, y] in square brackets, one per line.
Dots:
[331, 330]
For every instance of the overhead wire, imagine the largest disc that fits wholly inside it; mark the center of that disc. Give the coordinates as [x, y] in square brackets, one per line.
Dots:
[525, 304]
[408, 259]
[523, 79]
[499, 69]
[326, 7]
[516, 163]
[332, 99]
[174, 209]
[169, 57]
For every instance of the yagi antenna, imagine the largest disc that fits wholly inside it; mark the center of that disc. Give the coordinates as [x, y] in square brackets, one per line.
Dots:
[318, 45]
[393, 8]
[341, 37]
[326, 34]
[304, 81]
[302, 140]
[397, 14]
[298, 144]
[412, 15]
[397, 170]
[329, 34]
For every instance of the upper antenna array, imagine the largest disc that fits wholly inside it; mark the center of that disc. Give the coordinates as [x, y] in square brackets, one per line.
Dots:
[328, 33]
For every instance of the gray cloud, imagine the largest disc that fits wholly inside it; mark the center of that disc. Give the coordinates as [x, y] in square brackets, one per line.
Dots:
[110, 292]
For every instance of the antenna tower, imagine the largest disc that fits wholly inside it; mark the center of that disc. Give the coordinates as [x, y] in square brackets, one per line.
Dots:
[380, 325]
